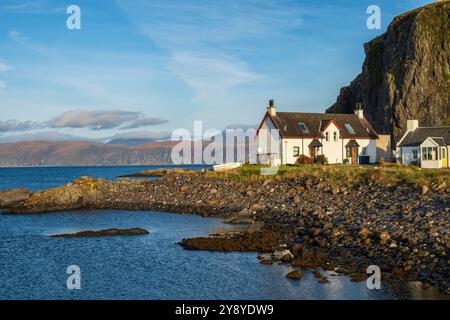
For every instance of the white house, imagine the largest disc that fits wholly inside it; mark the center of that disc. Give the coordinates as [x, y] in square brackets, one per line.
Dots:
[424, 146]
[284, 136]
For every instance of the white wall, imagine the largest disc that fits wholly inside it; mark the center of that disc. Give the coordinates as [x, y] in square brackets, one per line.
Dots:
[370, 144]
[265, 141]
[288, 149]
[431, 164]
[406, 155]
[332, 149]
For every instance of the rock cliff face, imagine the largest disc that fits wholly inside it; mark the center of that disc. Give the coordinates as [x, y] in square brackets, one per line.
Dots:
[406, 74]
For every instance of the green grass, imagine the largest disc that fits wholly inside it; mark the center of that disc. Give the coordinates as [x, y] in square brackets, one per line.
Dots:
[341, 175]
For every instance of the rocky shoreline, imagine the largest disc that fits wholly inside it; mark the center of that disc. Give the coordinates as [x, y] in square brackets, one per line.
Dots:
[401, 228]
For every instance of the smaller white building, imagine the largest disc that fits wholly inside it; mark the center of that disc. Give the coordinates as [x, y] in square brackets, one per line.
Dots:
[427, 147]
[285, 136]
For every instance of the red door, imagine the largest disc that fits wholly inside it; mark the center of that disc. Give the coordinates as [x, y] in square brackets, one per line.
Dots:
[354, 155]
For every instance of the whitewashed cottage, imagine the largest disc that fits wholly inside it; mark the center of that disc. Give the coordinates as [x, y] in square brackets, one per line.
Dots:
[424, 146]
[337, 136]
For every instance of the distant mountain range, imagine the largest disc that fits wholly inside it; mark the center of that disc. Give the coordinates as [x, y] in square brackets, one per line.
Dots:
[130, 142]
[72, 153]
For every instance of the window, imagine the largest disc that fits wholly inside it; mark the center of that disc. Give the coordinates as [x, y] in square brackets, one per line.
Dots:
[327, 136]
[349, 128]
[415, 154]
[430, 153]
[348, 152]
[444, 154]
[303, 127]
[364, 151]
[335, 136]
[296, 151]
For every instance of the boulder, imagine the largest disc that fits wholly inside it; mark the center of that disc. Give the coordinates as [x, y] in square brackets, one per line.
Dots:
[365, 233]
[294, 275]
[13, 197]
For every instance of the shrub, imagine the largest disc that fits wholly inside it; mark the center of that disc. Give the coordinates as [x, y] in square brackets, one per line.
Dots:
[321, 159]
[346, 161]
[304, 160]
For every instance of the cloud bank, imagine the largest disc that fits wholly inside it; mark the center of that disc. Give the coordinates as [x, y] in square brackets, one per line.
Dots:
[100, 120]
[93, 120]
[14, 125]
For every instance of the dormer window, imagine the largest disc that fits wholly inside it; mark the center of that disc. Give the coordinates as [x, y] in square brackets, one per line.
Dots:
[303, 127]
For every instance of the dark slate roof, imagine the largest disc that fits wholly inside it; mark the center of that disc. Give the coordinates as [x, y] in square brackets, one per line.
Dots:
[352, 144]
[440, 141]
[417, 137]
[288, 124]
[315, 144]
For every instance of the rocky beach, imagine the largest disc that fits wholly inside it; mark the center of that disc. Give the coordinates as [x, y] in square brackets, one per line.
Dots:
[306, 220]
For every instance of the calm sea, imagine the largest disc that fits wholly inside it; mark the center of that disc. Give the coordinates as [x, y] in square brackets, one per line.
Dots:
[34, 266]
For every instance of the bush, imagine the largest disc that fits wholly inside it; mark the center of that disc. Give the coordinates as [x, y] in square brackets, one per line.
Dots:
[321, 159]
[304, 160]
[346, 161]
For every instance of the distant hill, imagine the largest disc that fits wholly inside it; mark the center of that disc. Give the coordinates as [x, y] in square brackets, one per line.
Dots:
[75, 153]
[43, 136]
[406, 74]
[71, 153]
[130, 142]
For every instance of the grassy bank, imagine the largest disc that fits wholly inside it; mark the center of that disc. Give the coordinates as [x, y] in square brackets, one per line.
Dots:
[341, 175]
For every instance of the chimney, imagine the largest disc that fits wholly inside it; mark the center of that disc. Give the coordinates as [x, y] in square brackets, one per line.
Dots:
[272, 109]
[359, 111]
[412, 125]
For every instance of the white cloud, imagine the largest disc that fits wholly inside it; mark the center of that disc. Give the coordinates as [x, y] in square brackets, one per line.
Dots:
[23, 41]
[210, 77]
[14, 125]
[94, 120]
[214, 28]
[212, 23]
[31, 7]
[4, 67]
[101, 120]
[3, 85]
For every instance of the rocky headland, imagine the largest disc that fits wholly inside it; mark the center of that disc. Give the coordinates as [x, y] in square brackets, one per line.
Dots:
[406, 73]
[342, 219]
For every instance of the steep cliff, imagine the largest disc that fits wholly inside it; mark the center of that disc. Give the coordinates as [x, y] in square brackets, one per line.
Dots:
[406, 73]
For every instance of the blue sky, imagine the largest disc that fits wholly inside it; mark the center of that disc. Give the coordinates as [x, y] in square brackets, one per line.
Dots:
[156, 65]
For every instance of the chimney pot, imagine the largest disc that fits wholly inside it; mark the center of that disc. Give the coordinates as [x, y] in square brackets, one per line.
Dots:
[412, 125]
[272, 109]
[359, 110]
